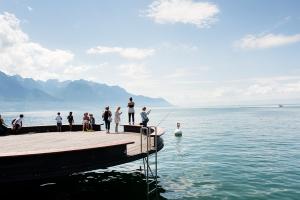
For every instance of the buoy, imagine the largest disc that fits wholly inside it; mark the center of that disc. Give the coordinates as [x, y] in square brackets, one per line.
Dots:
[178, 132]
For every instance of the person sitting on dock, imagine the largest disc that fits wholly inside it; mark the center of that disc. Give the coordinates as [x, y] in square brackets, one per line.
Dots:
[130, 106]
[92, 121]
[17, 124]
[86, 122]
[70, 120]
[58, 122]
[107, 118]
[3, 126]
[117, 118]
[144, 116]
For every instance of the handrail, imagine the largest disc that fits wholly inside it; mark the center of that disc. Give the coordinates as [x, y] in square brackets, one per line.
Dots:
[146, 159]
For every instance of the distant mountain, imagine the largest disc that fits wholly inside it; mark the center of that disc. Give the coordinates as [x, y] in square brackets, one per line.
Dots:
[18, 89]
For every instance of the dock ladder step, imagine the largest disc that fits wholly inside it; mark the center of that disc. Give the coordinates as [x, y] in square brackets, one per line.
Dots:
[149, 173]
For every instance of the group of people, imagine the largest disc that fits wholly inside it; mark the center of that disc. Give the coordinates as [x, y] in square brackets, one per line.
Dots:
[16, 125]
[88, 120]
[107, 116]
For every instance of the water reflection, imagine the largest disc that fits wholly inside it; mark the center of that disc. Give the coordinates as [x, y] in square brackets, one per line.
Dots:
[178, 146]
[92, 185]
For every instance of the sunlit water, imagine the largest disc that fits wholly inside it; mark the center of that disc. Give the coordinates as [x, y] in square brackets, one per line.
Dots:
[224, 153]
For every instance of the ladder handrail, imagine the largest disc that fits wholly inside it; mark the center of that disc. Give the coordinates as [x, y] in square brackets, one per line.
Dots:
[146, 159]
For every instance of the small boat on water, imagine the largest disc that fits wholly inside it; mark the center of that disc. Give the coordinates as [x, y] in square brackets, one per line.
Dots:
[280, 105]
[178, 132]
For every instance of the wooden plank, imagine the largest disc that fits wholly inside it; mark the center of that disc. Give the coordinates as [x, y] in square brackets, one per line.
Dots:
[55, 142]
[16, 145]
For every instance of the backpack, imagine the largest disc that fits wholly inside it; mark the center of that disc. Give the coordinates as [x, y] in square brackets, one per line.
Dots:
[146, 120]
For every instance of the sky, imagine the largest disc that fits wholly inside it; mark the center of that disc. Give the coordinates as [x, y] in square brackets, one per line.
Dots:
[190, 52]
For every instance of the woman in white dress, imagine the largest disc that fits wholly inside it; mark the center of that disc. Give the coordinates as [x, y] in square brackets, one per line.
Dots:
[117, 118]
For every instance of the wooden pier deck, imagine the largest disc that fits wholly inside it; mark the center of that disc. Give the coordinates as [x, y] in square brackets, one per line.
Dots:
[54, 142]
[48, 154]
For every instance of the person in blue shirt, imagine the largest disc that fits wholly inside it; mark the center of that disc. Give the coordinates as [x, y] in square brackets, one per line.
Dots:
[144, 116]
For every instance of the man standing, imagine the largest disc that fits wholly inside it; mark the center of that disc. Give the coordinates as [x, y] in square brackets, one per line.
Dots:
[70, 120]
[58, 122]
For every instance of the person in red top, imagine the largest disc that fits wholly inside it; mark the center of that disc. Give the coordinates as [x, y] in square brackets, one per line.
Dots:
[86, 122]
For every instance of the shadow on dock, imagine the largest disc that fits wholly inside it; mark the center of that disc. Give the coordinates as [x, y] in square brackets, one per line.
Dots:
[92, 185]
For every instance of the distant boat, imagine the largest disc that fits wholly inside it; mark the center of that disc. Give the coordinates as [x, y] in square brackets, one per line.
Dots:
[280, 105]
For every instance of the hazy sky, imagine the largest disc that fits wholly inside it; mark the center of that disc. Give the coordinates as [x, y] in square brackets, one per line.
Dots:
[189, 52]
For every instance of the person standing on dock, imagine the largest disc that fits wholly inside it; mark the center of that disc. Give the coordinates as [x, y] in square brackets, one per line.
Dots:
[130, 106]
[107, 118]
[70, 120]
[92, 121]
[85, 122]
[17, 124]
[3, 126]
[58, 122]
[117, 118]
[144, 116]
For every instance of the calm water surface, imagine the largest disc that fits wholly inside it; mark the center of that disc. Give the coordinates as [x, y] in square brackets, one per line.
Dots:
[225, 153]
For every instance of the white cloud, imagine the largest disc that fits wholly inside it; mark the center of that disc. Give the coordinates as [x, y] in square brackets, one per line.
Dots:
[19, 55]
[201, 14]
[128, 53]
[10, 32]
[266, 41]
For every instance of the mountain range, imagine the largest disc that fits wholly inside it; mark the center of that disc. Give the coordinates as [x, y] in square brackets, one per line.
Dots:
[79, 92]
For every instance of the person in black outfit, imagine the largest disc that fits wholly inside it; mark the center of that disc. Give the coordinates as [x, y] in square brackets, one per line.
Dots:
[70, 120]
[130, 106]
[3, 126]
[107, 118]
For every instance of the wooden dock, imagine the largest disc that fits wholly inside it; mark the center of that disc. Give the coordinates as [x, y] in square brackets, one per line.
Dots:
[48, 154]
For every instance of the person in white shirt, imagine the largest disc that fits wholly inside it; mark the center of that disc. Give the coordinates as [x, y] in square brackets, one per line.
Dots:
[58, 122]
[17, 123]
[117, 118]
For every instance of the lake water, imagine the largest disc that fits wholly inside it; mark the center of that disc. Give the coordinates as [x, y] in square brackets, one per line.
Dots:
[224, 153]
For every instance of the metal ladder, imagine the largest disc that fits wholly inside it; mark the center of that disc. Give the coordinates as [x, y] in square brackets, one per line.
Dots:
[151, 176]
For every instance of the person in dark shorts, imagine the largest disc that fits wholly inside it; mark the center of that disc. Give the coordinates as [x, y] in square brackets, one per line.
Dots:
[107, 118]
[130, 106]
[70, 120]
[3, 126]
[58, 122]
[144, 116]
